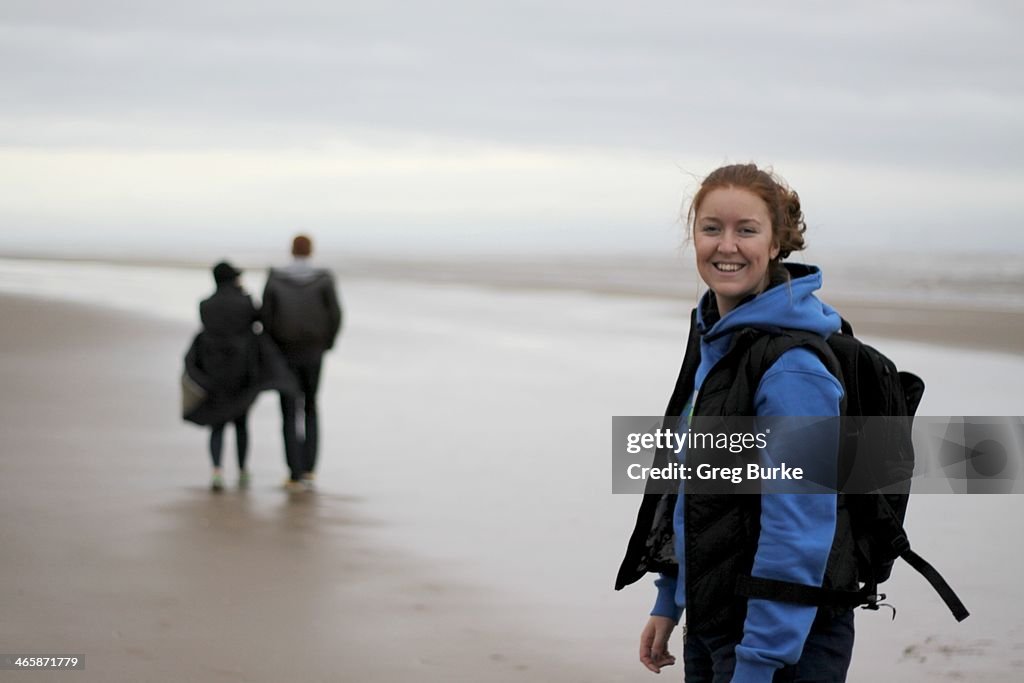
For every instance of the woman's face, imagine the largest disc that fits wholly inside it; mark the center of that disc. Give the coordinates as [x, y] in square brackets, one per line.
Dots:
[733, 238]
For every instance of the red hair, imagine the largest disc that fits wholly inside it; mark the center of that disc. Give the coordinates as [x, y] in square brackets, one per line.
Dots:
[302, 246]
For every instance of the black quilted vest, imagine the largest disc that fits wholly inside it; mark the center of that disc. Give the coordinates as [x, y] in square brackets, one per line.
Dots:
[721, 529]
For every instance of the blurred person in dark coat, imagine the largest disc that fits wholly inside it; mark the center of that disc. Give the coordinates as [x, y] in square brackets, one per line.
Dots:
[228, 365]
[302, 315]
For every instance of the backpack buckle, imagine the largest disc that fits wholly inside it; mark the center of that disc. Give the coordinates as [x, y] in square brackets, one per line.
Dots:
[874, 602]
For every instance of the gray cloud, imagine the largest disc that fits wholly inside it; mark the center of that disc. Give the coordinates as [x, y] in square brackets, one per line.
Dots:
[887, 83]
[495, 123]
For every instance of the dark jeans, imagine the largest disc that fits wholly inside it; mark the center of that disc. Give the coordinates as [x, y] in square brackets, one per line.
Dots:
[825, 658]
[300, 451]
[241, 440]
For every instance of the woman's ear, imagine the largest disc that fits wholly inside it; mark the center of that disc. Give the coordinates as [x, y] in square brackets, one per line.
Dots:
[775, 250]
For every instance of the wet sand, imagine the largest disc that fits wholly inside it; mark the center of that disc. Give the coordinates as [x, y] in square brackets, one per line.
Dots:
[963, 328]
[114, 549]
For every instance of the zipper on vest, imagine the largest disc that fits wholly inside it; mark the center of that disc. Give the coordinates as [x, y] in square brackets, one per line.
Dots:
[688, 531]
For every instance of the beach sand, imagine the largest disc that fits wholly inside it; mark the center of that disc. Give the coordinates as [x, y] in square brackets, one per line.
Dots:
[960, 327]
[463, 527]
[114, 548]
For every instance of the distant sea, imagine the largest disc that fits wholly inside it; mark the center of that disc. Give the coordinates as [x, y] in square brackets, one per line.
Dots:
[991, 282]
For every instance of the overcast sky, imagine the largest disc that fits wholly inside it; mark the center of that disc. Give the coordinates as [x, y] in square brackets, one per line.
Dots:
[469, 125]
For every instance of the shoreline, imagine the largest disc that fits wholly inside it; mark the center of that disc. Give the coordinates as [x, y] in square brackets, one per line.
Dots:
[995, 327]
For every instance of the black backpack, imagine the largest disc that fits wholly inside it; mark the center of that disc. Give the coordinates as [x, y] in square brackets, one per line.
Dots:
[875, 490]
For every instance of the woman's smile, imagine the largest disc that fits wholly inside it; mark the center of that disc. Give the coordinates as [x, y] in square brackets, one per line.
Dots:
[735, 245]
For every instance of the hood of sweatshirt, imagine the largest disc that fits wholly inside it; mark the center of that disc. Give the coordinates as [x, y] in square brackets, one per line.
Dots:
[299, 272]
[788, 304]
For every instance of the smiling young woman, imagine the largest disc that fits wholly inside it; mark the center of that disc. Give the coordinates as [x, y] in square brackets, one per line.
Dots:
[733, 239]
[745, 221]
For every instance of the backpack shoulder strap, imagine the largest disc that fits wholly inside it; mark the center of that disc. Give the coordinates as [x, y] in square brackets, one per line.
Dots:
[769, 346]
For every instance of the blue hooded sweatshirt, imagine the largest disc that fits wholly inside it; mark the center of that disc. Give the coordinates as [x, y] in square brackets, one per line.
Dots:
[796, 529]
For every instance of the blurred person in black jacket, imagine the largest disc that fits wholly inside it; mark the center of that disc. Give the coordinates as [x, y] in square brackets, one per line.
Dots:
[224, 360]
[302, 315]
[227, 366]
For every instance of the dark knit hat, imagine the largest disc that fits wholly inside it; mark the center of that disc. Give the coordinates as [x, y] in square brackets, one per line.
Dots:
[225, 272]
